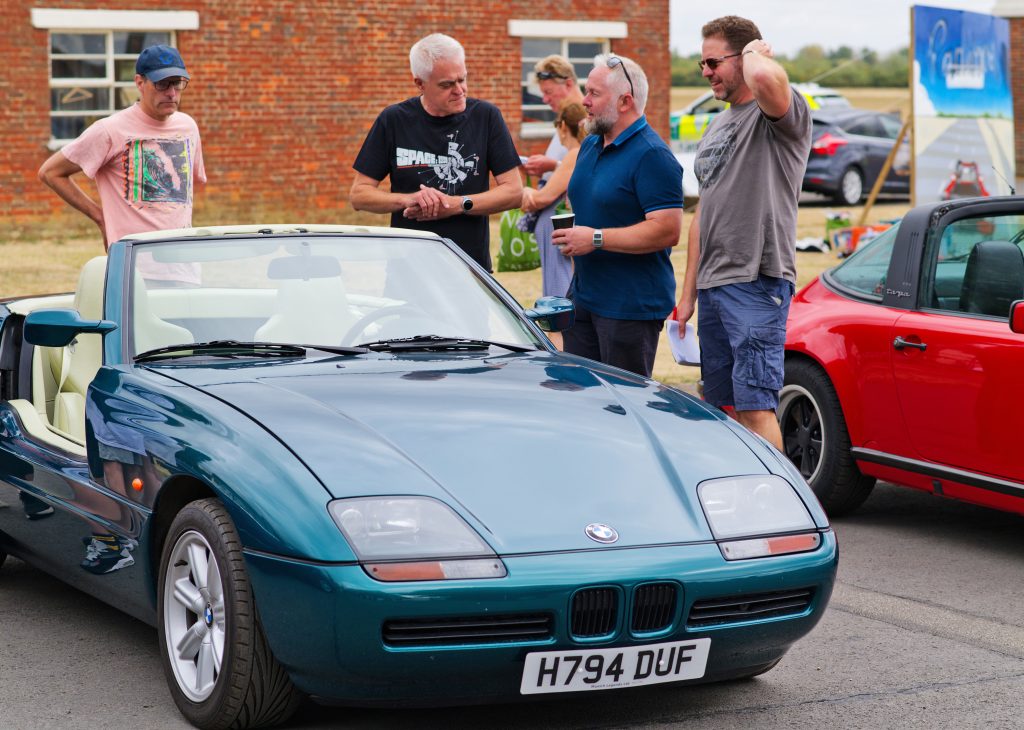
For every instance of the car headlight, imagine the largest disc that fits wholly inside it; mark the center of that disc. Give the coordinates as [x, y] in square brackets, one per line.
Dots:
[765, 511]
[413, 538]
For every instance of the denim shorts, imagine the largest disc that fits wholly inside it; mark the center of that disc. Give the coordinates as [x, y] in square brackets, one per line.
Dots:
[742, 330]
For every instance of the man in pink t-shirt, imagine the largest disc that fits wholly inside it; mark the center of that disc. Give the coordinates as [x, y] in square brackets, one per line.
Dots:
[145, 160]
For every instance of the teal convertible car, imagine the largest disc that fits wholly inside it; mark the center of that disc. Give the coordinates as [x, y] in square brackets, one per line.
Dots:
[342, 462]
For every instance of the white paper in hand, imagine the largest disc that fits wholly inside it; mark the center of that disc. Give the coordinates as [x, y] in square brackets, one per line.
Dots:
[685, 349]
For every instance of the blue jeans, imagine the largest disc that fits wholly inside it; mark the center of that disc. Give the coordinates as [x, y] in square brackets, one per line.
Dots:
[742, 330]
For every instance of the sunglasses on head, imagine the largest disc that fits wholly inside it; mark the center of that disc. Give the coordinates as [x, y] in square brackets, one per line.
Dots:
[614, 61]
[713, 63]
[545, 75]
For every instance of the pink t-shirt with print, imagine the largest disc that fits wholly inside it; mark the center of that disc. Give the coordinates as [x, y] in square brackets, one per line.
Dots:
[145, 171]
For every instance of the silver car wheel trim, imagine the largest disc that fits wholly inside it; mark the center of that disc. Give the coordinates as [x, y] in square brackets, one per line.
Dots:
[853, 188]
[790, 396]
[193, 616]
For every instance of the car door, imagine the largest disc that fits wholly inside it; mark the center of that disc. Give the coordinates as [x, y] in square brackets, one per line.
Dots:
[956, 363]
[867, 134]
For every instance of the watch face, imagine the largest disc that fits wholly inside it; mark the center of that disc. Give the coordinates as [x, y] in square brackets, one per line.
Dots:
[467, 204]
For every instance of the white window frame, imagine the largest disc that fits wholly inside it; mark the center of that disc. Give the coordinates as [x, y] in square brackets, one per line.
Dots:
[103, 23]
[566, 31]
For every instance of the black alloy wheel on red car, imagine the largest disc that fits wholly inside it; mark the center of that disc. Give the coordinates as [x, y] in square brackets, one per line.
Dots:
[815, 439]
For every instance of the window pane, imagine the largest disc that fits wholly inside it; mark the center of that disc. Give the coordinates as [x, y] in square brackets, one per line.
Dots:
[79, 99]
[583, 69]
[531, 98]
[124, 70]
[136, 42]
[540, 47]
[70, 127]
[528, 71]
[77, 69]
[867, 267]
[125, 96]
[77, 43]
[980, 267]
[584, 49]
[538, 115]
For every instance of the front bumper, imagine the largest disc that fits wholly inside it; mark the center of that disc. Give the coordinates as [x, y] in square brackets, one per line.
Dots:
[324, 622]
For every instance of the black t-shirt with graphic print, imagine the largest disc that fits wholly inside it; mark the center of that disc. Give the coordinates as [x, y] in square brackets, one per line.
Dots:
[455, 154]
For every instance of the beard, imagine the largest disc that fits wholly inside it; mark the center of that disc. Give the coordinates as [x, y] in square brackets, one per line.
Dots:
[602, 124]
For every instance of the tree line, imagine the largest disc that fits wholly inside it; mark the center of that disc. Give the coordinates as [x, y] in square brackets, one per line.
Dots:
[843, 66]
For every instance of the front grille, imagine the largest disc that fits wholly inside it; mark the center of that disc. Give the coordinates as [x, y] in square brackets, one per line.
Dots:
[594, 612]
[654, 605]
[751, 607]
[467, 630]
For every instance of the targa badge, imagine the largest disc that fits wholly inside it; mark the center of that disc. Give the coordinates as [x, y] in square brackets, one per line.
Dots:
[599, 532]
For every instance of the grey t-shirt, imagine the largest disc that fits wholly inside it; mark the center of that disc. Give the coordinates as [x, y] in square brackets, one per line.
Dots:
[750, 171]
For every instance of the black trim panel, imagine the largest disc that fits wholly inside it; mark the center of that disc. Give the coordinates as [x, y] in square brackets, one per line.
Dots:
[960, 476]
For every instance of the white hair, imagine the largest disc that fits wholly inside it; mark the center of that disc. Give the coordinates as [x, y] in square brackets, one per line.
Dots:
[619, 83]
[426, 51]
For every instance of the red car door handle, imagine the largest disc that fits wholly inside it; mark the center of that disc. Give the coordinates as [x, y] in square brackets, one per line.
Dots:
[899, 343]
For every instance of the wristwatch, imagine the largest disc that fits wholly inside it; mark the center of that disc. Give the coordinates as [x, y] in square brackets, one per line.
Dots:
[467, 204]
[598, 238]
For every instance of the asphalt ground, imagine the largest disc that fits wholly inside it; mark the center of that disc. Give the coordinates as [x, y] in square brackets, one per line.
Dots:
[924, 631]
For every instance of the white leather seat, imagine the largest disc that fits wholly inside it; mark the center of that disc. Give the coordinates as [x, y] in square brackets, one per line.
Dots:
[309, 312]
[75, 366]
[151, 332]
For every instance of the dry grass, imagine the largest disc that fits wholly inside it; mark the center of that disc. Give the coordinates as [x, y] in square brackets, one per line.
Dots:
[45, 260]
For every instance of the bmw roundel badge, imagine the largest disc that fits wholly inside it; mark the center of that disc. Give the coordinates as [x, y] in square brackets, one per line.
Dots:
[599, 532]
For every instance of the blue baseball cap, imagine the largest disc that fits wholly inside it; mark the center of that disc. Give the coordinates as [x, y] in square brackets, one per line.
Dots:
[159, 62]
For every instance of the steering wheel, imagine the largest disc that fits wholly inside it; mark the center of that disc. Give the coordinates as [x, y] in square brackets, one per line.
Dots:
[367, 319]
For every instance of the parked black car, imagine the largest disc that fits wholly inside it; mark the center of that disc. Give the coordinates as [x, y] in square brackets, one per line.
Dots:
[848, 149]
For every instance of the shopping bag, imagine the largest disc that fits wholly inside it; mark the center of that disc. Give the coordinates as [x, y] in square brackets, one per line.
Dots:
[518, 250]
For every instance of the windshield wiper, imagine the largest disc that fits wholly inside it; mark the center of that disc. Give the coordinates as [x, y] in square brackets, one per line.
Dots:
[233, 348]
[437, 343]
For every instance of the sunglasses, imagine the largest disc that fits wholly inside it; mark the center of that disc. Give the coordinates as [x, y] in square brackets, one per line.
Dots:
[713, 63]
[178, 83]
[545, 75]
[614, 61]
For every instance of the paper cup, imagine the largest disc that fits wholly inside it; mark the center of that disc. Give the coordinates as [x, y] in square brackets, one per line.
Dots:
[565, 220]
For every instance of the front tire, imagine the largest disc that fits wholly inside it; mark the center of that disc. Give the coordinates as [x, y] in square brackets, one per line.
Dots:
[815, 438]
[218, 664]
[851, 187]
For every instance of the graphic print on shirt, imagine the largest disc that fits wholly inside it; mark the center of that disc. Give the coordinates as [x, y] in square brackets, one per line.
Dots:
[444, 172]
[715, 152]
[158, 171]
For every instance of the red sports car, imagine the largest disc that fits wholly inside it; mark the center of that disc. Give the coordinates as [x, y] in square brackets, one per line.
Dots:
[905, 362]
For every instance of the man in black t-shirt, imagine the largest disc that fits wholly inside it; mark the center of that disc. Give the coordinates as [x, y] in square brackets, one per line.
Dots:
[439, 149]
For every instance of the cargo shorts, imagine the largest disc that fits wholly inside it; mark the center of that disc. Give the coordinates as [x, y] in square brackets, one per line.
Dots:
[742, 331]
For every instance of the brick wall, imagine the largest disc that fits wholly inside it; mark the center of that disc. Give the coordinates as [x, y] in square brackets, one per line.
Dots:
[1017, 89]
[285, 92]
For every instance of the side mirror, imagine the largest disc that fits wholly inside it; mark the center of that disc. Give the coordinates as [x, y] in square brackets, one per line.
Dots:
[58, 327]
[1017, 316]
[553, 314]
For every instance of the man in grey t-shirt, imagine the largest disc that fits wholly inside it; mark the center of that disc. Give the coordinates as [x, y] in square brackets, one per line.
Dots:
[741, 263]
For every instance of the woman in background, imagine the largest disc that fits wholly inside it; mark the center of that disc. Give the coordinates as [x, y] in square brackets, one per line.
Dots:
[556, 269]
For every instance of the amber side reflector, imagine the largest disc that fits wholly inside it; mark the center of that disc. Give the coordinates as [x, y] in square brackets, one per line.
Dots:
[793, 543]
[762, 547]
[407, 571]
[137, 484]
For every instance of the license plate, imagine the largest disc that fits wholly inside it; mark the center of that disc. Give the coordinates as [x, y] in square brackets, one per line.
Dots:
[633, 666]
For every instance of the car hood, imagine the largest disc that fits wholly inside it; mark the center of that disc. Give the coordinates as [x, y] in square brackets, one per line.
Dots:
[529, 448]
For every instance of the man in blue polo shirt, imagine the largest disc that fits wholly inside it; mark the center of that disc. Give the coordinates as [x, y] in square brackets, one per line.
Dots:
[627, 194]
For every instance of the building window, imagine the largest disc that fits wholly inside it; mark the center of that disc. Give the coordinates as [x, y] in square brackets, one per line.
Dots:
[92, 60]
[537, 116]
[577, 40]
[92, 75]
